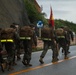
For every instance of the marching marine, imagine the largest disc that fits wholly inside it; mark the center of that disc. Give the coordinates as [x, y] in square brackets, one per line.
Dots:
[8, 37]
[62, 40]
[2, 62]
[49, 39]
[27, 37]
[70, 36]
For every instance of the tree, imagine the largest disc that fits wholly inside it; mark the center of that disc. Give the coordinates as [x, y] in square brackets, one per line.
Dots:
[33, 13]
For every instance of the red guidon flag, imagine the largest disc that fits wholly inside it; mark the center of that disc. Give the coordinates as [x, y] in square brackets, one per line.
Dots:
[51, 19]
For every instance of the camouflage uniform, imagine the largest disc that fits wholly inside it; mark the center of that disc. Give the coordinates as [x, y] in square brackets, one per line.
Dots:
[9, 44]
[69, 36]
[2, 63]
[49, 42]
[27, 43]
[1, 59]
[62, 40]
[17, 42]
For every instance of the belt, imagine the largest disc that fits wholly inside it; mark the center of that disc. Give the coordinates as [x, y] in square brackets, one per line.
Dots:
[46, 39]
[27, 38]
[61, 36]
[8, 40]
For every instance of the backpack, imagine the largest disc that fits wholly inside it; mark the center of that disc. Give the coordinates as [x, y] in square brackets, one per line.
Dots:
[7, 33]
[26, 31]
[60, 32]
[46, 33]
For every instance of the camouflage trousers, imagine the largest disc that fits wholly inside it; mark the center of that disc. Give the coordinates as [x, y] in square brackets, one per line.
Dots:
[9, 46]
[64, 45]
[46, 47]
[27, 50]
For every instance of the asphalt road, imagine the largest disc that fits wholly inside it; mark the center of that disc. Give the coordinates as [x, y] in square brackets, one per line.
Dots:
[62, 67]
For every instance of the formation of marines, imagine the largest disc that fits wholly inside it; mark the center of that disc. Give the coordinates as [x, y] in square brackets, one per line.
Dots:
[15, 37]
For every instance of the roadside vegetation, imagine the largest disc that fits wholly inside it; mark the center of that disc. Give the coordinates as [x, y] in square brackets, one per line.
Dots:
[71, 25]
[35, 16]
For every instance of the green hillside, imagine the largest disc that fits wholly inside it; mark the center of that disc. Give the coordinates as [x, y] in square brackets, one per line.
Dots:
[71, 25]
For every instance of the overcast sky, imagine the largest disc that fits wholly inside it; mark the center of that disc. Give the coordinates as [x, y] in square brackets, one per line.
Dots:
[62, 9]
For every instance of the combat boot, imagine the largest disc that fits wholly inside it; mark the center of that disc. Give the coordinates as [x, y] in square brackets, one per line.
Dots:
[10, 68]
[28, 63]
[66, 57]
[68, 52]
[41, 60]
[3, 66]
[55, 60]
[24, 62]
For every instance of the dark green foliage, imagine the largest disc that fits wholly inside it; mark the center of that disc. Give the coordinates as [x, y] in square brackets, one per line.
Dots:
[33, 13]
[60, 23]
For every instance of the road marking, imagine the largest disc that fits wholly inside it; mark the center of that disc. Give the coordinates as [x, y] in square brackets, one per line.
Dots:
[41, 66]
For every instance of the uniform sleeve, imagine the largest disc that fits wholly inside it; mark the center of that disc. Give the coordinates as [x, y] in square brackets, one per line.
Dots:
[35, 39]
[55, 37]
[16, 36]
[71, 35]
